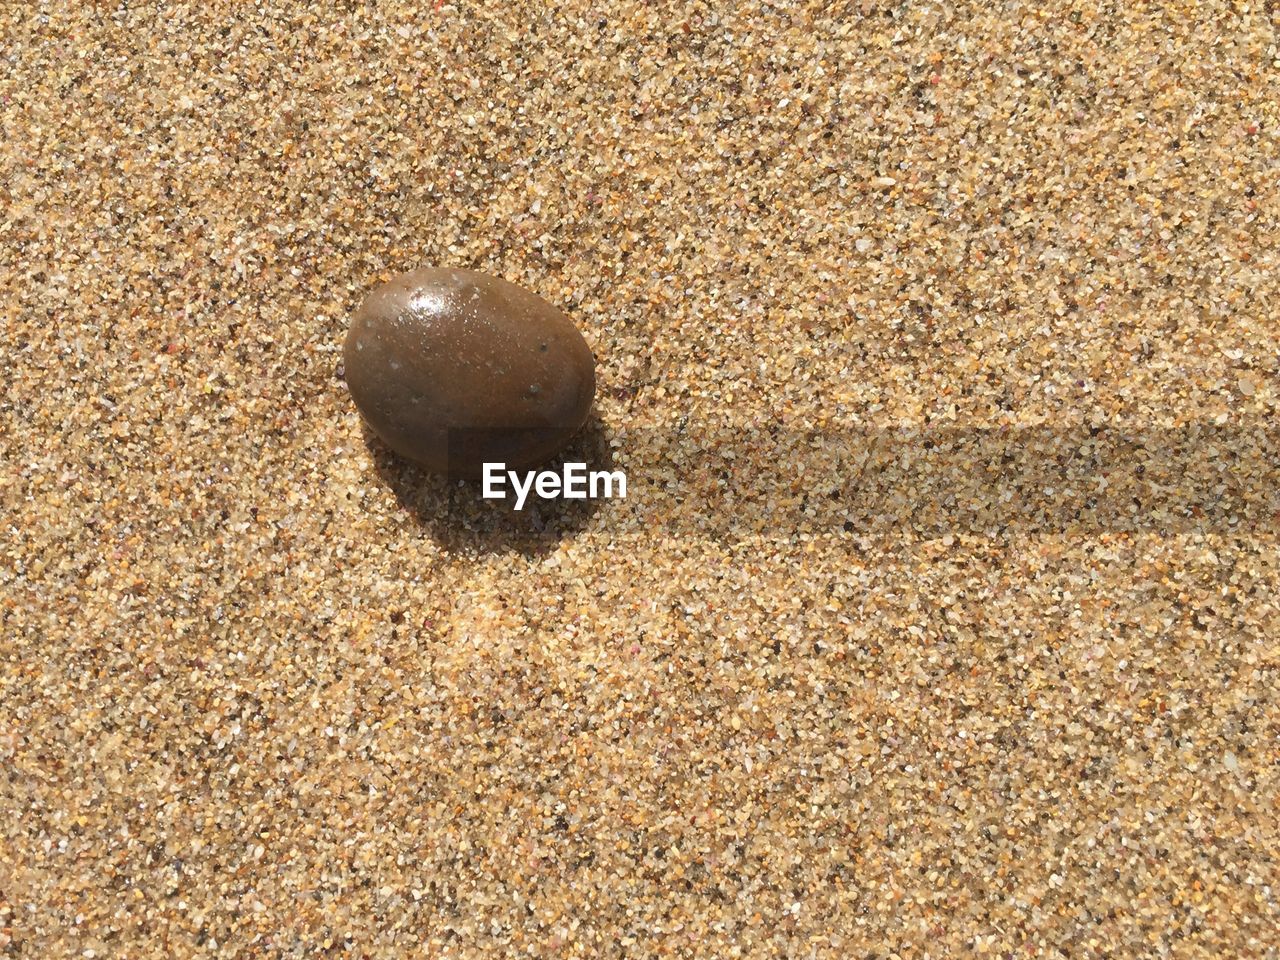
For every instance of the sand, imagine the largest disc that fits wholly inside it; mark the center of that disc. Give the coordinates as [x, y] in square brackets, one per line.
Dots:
[938, 344]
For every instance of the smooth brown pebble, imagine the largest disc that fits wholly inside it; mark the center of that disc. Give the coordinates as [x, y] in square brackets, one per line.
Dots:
[453, 369]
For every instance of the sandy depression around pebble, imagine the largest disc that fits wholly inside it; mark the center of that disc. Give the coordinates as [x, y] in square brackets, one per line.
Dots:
[939, 345]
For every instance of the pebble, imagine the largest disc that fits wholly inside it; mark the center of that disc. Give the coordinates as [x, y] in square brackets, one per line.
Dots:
[454, 368]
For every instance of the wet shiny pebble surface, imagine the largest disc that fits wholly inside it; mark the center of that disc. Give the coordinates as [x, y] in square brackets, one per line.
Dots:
[454, 368]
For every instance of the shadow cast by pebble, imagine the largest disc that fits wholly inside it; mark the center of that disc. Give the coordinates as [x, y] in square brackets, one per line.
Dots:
[454, 513]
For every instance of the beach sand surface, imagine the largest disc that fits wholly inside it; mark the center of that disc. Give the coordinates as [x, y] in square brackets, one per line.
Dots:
[939, 346]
